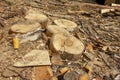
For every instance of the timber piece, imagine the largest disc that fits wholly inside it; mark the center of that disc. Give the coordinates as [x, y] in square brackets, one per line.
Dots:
[68, 44]
[66, 24]
[34, 58]
[43, 73]
[37, 16]
[106, 10]
[54, 29]
[24, 27]
[115, 5]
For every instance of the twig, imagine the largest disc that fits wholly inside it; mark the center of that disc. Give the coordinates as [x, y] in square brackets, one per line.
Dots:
[104, 59]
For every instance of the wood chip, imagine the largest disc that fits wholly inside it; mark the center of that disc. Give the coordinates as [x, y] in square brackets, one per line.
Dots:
[90, 47]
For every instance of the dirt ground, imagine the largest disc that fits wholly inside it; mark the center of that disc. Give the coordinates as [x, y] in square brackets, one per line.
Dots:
[99, 30]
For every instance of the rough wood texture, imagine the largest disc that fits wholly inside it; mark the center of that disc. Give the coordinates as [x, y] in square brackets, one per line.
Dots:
[24, 28]
[36, 16]
[54, 29]
[68, 44]
[66, 24]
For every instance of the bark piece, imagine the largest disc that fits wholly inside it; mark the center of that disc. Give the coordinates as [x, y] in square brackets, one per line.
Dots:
[68, 44]
[34, 58]
[66, 24]
[24, 28]
[43, 73]
[54, 29]
[32, 37]
[36, 16]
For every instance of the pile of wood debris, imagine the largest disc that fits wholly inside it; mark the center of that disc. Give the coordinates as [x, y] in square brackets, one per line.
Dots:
[59, 40]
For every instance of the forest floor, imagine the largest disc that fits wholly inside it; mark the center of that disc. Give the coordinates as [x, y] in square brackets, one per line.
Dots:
[100, 34]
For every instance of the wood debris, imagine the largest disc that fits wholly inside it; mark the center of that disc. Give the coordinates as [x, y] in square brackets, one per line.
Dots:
[106, 10]
[34, 58]
[115, 5]
[59, 40]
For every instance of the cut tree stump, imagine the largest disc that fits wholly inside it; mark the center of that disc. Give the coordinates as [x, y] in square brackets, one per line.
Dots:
[70, 46]
[66, 24]
[54, 29]
[24, 28]
[37, 16]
